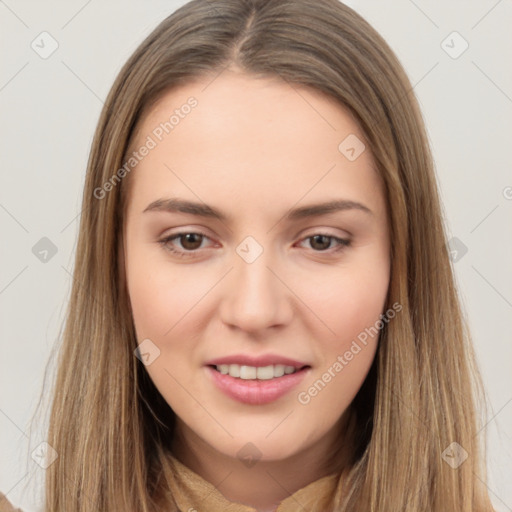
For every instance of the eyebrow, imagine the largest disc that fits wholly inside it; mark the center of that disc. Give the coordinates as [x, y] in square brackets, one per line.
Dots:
[203, 210]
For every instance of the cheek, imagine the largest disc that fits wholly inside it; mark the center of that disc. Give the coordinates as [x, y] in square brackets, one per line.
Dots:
[168, 308]
[348, 300]
[161, 297]
[164, 306]
[350, 304]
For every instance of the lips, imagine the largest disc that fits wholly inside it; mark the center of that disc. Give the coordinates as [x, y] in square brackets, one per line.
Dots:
[256, 380]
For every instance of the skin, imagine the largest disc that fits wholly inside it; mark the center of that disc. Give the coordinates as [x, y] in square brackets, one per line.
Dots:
[255, 148]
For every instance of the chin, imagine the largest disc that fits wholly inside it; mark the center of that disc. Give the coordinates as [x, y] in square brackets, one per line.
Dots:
[254, 445]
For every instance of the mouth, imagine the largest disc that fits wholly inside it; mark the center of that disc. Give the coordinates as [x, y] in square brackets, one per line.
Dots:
[256, 385]
[245, 372]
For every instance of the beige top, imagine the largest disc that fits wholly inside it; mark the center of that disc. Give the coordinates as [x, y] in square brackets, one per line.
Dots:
[189, 491]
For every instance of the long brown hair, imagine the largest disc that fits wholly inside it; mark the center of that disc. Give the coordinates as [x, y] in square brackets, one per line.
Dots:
[108, 422]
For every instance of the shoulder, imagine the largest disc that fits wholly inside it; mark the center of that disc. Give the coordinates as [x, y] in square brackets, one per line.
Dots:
[6, 506]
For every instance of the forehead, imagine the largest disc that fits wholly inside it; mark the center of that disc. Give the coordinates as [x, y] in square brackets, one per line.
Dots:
[254, 141]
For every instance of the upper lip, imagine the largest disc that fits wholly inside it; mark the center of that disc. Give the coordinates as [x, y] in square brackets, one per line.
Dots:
[257, 361]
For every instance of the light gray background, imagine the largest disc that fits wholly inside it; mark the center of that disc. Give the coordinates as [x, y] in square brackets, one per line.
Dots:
[49, 110]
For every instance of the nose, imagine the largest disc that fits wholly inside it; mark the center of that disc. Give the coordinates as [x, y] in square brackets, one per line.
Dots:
[255, 296]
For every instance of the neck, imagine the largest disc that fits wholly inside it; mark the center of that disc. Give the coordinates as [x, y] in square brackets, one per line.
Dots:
[264, 485]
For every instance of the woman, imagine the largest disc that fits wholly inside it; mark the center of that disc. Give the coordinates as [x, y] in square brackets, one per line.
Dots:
[263, 315]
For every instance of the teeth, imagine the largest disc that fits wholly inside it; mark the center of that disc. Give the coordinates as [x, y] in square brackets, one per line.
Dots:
[248, 372]
[253, 372]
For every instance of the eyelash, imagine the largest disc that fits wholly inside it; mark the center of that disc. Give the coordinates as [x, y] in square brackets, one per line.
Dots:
[164, 242]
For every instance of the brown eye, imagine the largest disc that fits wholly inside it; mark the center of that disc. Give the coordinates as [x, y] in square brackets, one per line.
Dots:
[191, 241]
[320, 242]
[184, 244]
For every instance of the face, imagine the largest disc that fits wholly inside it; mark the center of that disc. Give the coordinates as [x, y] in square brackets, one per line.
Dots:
[233, 293]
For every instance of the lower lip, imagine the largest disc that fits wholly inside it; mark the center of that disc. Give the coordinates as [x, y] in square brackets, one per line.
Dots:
[253, 391]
